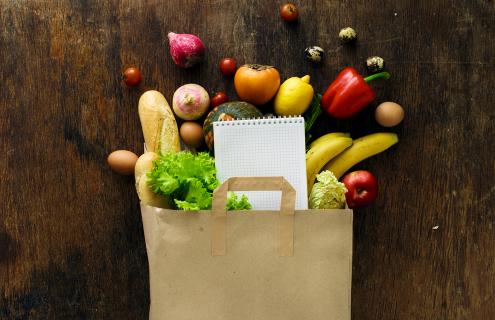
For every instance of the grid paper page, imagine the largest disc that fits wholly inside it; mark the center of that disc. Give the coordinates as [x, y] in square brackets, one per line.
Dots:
[263, 147]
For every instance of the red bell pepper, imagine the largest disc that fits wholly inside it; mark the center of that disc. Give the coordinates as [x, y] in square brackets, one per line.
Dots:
[349, 93]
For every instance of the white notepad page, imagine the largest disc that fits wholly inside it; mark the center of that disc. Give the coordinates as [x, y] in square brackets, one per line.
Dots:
[263, 147]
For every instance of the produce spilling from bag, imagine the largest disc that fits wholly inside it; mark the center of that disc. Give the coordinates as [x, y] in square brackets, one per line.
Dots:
[178, 169]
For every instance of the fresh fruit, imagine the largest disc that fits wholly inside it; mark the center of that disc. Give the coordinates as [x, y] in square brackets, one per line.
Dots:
[186, 49]
[361, 149]
[289, 12]
[192, 134]
[132, 77]
[190, 101]
[319, 155]
[362, 188]
[158, 122]
[389, 114]
[122, 161]
[256, 83]
[231, 110]
[293, 97]
[218, 99]
[228, 66]
[327, 137]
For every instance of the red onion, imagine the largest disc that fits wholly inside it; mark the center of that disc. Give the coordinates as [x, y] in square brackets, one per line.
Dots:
[186, 49]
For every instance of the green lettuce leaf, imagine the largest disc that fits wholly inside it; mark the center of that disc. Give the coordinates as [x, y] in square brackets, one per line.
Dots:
[189, 180]
[233, 203]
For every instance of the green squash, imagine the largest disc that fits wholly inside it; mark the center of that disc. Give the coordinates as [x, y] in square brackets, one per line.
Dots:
[232, 110]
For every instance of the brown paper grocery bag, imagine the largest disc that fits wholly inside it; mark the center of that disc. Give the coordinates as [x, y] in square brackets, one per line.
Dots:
[249, 265]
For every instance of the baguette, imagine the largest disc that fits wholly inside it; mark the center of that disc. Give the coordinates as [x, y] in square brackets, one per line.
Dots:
[144, 165]
[158, 123]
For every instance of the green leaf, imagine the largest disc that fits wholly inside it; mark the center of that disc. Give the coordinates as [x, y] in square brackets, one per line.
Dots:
[233, 203]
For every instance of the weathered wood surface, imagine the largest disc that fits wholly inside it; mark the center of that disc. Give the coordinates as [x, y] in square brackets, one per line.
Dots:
[71, 240]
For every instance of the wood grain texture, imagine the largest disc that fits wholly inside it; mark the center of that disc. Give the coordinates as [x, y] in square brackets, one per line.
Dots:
[71, 240]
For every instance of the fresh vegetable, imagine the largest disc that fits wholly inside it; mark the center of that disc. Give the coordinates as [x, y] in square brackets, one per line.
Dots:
[289, 12]
[218, 99]
[231, 110]
[312, 114]
[361, 149]
[234, 203]
[228, 66]
[189, 180]
[256, 83]
[314, 53]
[190, 101]
[322, 152]
[389, 114]
[375, 64]
[362, 188]
[349, 93]
[186, 49]
[122, 161]
[144, 165]
[327, 193]
[158, 122]
[132, 77]
[293, 97]
[192, 134]
[348, 35]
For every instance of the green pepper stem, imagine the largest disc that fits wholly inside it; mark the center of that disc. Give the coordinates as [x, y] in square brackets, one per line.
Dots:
[385, 75]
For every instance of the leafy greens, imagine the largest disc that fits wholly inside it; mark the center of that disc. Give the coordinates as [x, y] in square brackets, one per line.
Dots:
[190, 181]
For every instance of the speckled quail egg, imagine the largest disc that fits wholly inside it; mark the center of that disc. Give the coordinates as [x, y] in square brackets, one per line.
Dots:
[314, 53]
[375, 64]
[348, 34]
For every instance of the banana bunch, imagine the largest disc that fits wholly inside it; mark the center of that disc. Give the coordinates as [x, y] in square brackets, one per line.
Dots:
[337, 152]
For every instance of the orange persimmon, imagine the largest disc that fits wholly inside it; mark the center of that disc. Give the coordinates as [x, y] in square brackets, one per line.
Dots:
[256, 83]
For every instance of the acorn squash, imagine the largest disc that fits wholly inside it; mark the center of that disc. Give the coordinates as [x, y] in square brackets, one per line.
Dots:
[232, 110]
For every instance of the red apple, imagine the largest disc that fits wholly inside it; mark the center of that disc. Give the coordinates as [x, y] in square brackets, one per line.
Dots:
[362, 188]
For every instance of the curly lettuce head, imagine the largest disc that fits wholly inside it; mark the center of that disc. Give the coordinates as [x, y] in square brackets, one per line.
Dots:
[327, 193]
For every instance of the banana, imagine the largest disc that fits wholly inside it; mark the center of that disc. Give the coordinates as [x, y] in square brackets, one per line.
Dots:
[320, 154]
[361, 149]
[327, 137]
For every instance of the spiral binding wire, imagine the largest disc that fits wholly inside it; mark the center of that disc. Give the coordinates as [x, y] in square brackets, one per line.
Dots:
[260, 121]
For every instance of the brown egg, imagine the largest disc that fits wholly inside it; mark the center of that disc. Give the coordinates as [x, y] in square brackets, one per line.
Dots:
[389, 114]
[122, 161]
[192, 134]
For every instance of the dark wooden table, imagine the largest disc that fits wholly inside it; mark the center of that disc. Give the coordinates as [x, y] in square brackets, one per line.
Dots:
[71, 240]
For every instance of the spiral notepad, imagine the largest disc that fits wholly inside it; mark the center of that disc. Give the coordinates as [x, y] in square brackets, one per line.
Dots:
[263, 147]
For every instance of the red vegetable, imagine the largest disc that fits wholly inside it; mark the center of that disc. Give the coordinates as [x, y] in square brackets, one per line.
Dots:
[289, 12]
[186, 49]
[349, 93]
[228, 66]
[132, 77]
[218, 99]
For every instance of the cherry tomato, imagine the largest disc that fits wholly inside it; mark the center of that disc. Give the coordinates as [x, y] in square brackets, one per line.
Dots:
[289, 12]
[228, 66]
[218, 99]
[132, 77]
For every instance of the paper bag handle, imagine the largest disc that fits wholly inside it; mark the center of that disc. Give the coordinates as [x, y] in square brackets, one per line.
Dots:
[286, 214]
